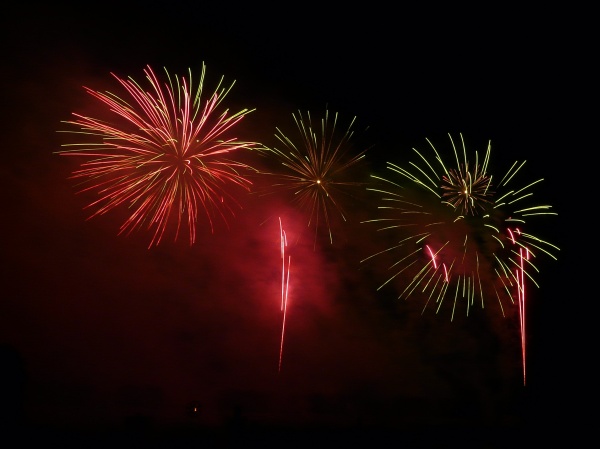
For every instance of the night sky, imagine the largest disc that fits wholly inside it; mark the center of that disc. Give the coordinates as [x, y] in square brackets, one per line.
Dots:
[106, 335]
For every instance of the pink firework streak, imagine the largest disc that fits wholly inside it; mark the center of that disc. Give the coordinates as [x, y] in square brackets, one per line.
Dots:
[520, 276]
[285, 283]
[165, 152]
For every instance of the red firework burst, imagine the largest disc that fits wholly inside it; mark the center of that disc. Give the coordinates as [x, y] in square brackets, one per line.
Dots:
[166, 152]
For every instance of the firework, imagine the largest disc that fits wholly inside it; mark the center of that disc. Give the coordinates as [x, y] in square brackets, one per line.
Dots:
[314, 169]
[165, 151]
[459, 234]
[285, 283]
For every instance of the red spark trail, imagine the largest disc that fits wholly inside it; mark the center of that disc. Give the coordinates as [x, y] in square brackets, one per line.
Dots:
[520, 275]
[285, 283]
[522, 304]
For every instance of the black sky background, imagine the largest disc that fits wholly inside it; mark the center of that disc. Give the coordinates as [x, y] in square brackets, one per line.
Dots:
[109, 332]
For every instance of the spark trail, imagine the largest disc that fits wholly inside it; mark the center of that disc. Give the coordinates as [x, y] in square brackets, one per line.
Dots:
[285, 284]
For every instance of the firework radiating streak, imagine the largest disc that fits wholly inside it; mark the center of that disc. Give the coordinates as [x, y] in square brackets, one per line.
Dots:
[520, 275]
[285, 284]
[167, 154]
[315, 168]
[522, 310]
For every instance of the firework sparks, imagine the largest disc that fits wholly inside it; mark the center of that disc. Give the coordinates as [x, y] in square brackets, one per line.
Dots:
[314, 169]
[520, 279]
[166, 153]
[285, 284]
[458, 232]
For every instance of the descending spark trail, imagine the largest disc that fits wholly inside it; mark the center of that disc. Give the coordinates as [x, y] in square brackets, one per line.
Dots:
[522, 307]
[285, 283]
[520, 277]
